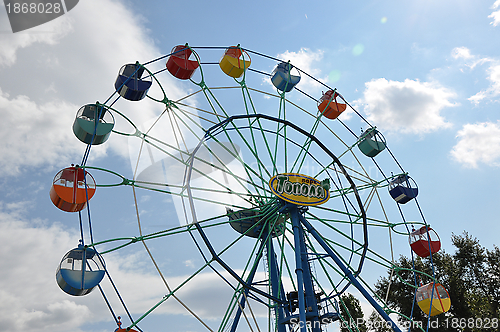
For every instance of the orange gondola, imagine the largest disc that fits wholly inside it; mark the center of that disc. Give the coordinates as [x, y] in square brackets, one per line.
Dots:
[330, 106]
[71, 188]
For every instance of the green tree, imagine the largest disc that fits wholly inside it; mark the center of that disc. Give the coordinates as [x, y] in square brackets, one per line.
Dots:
[352, 314]
[471, 275]
[377, 324]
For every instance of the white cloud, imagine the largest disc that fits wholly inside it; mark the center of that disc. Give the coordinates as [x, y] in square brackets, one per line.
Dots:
[31, 299]
[47, 73]
[36, 134]
[461, 53]
[493, 70]
[470, 60]
[305, 60]
[50, 33]
[496, 14]
[478, 143]
[494, 89]
[408, 107]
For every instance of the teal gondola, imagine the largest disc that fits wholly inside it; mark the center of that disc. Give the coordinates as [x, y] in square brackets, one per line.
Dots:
[80, 271]
[403, 189]
[285, 76]
[130, 84]
[85, 127]
[250, 222]
[372, 142]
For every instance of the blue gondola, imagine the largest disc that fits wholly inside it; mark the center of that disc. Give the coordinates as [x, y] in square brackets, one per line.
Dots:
[80, 271]
[285, 76]
[372, 142]
[129, 83]
[84, 126]
[403, 189]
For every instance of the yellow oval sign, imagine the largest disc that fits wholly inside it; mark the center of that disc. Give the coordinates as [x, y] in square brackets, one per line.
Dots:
[300, 189]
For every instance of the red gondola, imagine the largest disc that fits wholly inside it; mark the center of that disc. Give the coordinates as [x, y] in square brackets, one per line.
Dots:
[424, 241]
[179, 63]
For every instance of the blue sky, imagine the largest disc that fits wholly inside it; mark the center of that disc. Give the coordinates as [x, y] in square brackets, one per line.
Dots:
[426, 73]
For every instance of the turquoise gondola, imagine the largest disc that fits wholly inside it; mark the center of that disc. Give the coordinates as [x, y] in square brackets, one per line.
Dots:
[403, 189]
[80, 271]
[85, 127]
[285, 76]
[372, 142]
[130, 84]
[250, 222]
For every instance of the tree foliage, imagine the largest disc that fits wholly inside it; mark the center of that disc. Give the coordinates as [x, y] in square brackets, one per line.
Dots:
[352, 313]
[377, 324]
[471, 275]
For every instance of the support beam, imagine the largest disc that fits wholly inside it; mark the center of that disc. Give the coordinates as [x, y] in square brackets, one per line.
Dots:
[348, 273]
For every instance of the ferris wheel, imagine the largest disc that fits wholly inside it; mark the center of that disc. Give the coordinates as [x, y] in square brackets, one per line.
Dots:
[275, 195]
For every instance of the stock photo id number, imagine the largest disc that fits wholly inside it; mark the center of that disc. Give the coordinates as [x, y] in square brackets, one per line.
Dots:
[25, 15]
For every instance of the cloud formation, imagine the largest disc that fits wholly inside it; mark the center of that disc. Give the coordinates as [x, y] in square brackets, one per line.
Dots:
[31, 299]
[36, 134]
[410, 106]
[47, 73]
[493, 72]
[478, 143]
[496, 14]
[493, 90]
[12, 43]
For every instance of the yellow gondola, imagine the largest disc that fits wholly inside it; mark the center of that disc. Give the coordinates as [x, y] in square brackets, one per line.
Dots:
[235, 61]
[440, 303]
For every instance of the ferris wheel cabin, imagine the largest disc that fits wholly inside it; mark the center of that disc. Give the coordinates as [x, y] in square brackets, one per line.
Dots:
[424, 241]
[181, 64]
[402, 190]
[129, 83]
[119, 329]
[93, 124]
[372, 142]
[235, 61]
[71, 188]
[285, 76]
[329, 106]
[249, 223]
[434, 301]
[80, 271]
